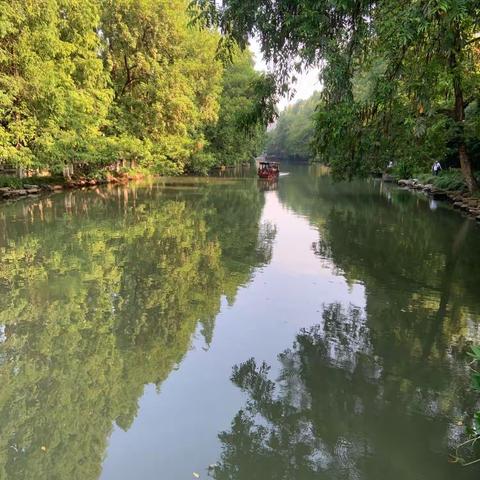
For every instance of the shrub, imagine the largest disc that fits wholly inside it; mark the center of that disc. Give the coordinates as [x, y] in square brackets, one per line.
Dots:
[16, 182]
[12, 182]
[404, 169]
[451, 179]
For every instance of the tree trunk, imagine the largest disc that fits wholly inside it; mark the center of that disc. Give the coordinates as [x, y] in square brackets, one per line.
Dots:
[465, 163]
[68, 171]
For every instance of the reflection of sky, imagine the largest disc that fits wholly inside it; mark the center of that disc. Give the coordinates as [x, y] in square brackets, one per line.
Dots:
[293, 248]
[294, 255]
[175, 432]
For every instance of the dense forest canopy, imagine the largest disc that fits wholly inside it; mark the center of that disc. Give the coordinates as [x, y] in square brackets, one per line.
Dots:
[401, 79]
[101, 81]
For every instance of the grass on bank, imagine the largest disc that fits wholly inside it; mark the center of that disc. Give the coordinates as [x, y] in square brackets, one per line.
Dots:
[12, 181]
[468, 452]
[16, 182]
[449, 180]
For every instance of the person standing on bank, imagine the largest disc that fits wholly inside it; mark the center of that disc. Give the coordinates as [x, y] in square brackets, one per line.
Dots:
[436, 168]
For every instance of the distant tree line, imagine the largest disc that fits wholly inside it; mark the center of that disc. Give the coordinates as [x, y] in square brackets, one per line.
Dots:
[293, 134]
[96, 82]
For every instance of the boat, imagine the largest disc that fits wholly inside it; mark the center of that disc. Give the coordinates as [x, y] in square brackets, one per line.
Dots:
[268, 170]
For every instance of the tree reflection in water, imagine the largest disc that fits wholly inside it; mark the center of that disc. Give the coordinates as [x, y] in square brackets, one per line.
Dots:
[100, 294]
[336, 412]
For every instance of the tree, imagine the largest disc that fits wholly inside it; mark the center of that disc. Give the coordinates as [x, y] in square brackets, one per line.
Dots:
[413, 57]
[54, 89]
[238, 136]
[101, 82]
[166, 81]
[442, 35]
[293, 135]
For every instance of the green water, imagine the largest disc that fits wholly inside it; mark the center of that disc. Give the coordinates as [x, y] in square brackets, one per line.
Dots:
[223, 329]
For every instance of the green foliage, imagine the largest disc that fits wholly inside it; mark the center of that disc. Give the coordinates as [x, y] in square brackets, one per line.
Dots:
[401, 79]
[451, 179]
[293, 134]
[475, 354]
[405, 169]
[201, 163]
[166, 82]
[16, 182]
[92, 83]
[9, 181]
[54, 87]
[467, 453]
[239, 134]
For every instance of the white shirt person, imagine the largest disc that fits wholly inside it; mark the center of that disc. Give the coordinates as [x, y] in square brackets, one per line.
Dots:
[436, 167]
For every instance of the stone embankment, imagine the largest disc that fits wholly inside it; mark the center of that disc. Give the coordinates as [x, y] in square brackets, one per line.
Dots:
[9, 193]
[462, 201]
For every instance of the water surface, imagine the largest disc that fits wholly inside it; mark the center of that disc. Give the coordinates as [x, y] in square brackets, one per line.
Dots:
[232, 329]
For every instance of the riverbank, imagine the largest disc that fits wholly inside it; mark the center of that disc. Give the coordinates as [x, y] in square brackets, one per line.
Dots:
[461, 200]
[13, 188]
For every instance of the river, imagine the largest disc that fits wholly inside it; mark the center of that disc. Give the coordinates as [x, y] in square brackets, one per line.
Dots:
[230, 329]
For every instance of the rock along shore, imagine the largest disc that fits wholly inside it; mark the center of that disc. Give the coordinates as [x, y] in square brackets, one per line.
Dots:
[9, 193]
[462, 201]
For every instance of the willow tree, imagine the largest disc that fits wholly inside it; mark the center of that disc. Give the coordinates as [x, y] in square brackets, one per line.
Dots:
[410, 41]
